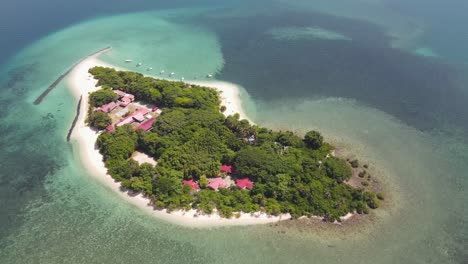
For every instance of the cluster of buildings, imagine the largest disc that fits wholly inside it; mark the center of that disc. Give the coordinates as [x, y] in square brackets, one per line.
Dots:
[219, 182]
[124, 98]
[141, 115]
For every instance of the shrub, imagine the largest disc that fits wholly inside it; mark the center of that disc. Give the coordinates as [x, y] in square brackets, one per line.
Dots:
[365, 183]
[380, 196]
[362, 174]
[371, 200]
[337, 169]
[203, 182]
[354, 163]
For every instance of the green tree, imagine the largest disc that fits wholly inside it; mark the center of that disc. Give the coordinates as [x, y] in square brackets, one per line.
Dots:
[119, 169]
[102, 97]
[313, 139]
[288, 138]
[273, 207]
[337, 169]
[203, 182]
[99, 120]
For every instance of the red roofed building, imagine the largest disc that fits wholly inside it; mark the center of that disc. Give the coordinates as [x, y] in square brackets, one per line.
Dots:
[120, 93]
[126, 121]
[125, 98]
[129, 119]
[125, 101]
[155, 109]
[192, 184]
[216, 183]
[107, 108]
[245, 183]
[147, 125]
[139, 118]
[225, 168]
[110, 128]
[141, 111]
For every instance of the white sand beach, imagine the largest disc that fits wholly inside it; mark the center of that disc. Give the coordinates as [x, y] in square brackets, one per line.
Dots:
[81, 83]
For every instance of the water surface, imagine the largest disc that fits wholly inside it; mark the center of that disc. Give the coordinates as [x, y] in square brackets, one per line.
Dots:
[402, 113]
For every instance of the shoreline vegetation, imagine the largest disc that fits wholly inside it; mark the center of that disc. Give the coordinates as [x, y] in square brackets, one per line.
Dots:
[191, 140]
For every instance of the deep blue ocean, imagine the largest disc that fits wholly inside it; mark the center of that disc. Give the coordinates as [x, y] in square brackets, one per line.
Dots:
[385, 80]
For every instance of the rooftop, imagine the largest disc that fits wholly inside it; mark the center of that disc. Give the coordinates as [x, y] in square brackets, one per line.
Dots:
[107, 107]
[192, 184]
[147, 125]
[244, 183]
[226, 168]
[110, 128]
[216, 183]
[139, 118]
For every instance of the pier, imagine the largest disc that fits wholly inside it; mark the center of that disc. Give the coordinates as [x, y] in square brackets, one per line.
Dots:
[70, 131]
[61, 77]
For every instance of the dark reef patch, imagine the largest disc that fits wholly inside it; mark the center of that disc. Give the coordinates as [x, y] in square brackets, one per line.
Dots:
[422, 92]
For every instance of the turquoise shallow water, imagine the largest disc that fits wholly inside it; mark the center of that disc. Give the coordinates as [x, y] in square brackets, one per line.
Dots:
[71, 218]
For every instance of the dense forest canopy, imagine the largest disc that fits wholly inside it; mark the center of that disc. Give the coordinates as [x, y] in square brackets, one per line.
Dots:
[191, 139]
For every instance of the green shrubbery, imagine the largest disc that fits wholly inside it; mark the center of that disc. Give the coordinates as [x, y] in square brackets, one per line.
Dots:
[380, 196]
[354, 163]
[101, 97]
[99, 120]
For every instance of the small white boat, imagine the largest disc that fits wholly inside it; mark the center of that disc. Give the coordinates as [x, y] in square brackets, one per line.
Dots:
[172, 74]
[161, 72]
[139, 64]
[128, 61]
[149, 69]
[209, 76]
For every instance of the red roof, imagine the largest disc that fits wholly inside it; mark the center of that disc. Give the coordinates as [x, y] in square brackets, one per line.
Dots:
[245, 183]
[192, 184]
[147, 125]
[226, 168]
[216, 183]
[155, 109]
[142, 111]
[124, 95]
[107, 107]
[125, 101]
[127, 120]
[110, 128]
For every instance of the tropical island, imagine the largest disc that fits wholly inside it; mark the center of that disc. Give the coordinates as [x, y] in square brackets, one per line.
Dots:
[210, 162]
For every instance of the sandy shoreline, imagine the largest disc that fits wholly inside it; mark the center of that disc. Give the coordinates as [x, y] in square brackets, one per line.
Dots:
[81, 83]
